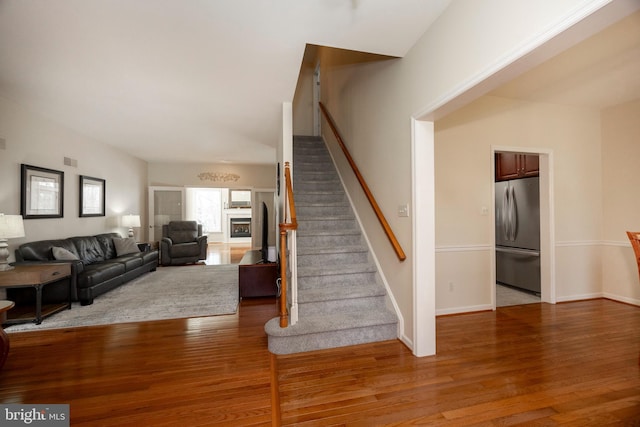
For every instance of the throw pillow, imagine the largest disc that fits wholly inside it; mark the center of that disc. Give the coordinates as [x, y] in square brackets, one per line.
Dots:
[63, 254]
[125, 246]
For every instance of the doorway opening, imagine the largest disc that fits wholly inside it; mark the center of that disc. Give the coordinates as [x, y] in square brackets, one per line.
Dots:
[522, 226]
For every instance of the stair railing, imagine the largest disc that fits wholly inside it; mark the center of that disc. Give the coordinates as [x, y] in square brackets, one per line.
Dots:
[383, 221]
[286, 227]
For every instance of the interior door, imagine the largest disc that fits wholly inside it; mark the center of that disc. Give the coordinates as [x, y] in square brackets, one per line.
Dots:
[165, 204]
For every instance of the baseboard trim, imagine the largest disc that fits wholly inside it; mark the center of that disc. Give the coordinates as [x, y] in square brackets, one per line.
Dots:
[460, 310]
[572, 298]
[626, 300]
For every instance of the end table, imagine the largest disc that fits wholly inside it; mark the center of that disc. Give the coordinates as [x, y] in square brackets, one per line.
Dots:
[35, 276]
[4, 338]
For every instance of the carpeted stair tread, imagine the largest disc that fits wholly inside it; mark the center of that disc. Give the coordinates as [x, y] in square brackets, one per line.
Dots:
[326, 218]
[320, 192]
[335, 322]
[334, 292]
[315, 250]
[333, 232]
[336, 204]
[334, 270]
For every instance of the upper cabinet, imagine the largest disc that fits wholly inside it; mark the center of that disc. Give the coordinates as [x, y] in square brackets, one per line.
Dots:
[515, 165]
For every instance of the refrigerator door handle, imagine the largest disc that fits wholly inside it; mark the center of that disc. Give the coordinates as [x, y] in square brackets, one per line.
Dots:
[514, 215]
[505, 212]
[517, 251]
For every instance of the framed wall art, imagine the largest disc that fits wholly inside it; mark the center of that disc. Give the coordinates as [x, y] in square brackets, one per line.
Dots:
[42, 192]
[92, 196]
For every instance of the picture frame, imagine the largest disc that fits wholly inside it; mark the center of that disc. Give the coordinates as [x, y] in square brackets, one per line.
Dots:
[92, 193]
[41, 192]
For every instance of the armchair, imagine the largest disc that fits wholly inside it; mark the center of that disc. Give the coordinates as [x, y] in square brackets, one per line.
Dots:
[182, 243]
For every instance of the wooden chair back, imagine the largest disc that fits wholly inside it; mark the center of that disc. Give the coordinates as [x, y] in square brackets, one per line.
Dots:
[634, 237]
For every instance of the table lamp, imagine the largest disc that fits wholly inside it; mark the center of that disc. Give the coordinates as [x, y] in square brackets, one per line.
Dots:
[11, 227]
[131, 221]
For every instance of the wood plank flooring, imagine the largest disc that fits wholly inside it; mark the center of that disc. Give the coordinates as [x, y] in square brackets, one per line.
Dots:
[225, 253]
[539, 364]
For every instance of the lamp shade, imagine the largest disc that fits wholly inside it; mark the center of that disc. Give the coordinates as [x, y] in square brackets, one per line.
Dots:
[131, 221]
[11, 226]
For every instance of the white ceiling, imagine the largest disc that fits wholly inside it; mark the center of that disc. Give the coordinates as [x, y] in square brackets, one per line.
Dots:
[185, 80]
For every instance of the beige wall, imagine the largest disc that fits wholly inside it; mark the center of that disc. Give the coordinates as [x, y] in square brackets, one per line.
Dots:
[464, 182]
[621, 201]
[186, 174]
[35, 140]
[303, 101]
[373, 104]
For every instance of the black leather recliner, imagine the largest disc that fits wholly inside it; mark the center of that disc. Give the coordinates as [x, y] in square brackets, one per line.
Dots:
[182, 243]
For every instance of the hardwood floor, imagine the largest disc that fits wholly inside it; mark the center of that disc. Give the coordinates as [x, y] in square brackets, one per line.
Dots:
[225, 253]
[566, 364]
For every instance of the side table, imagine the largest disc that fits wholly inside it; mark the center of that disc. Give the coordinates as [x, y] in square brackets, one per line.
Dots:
[4, 338]
[35, 276]
[256, 279]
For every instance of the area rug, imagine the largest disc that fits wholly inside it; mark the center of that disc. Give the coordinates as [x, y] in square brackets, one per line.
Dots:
[167, 293]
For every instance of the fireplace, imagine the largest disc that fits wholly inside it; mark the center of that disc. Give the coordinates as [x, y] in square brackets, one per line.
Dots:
[240, 227]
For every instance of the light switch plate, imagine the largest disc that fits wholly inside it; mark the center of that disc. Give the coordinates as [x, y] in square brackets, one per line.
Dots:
[403, 210]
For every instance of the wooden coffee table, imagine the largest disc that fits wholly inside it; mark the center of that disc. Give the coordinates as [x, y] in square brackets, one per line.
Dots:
[37, 277]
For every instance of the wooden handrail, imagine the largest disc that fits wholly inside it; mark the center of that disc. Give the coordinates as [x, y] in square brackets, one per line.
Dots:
[383, 221]
[285, 227]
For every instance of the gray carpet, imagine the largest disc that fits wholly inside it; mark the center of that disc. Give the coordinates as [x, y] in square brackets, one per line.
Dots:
[168, 293]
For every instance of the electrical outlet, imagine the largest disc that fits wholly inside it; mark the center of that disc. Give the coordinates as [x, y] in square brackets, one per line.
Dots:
[484, 211]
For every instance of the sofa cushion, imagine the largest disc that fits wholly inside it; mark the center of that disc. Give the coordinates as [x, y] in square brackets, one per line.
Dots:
[106, 243]
[89, 249]
[97, 273]
[125, 246]
[131, 261]
[41, 250]
[63, 254]
[185, 250]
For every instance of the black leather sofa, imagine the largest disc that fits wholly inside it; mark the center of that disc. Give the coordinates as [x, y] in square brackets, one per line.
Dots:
[97, 269]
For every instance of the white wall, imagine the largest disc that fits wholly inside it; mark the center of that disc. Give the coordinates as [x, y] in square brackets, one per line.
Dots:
[35, 140]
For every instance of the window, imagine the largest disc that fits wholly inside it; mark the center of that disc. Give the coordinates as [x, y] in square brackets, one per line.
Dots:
[205, 206]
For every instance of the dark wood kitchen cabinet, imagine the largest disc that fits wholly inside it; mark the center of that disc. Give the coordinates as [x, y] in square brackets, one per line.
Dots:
[516, 165]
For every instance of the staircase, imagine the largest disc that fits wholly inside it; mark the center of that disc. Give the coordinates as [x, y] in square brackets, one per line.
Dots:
[341, 299]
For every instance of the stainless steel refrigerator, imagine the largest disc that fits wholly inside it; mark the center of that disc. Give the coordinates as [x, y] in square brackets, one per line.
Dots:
[518, 233]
